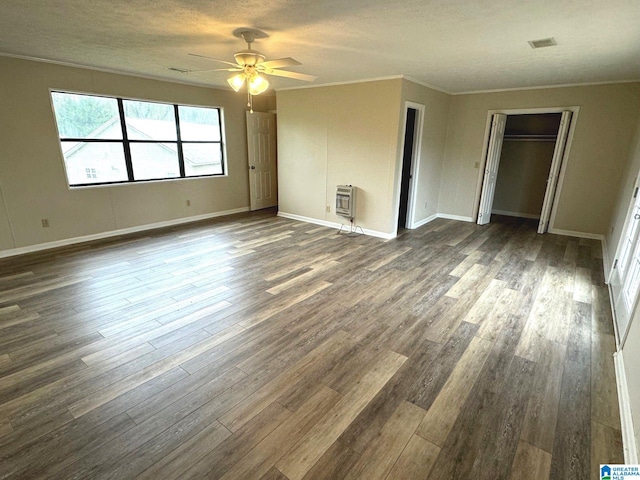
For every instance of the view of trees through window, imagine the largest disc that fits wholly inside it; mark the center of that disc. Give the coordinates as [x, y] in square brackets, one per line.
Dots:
[148, 141]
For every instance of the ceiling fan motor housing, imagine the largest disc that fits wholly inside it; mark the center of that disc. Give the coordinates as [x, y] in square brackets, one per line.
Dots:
[248, 58]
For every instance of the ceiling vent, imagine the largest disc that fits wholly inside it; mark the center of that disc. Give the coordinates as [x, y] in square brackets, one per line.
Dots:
[543, 42]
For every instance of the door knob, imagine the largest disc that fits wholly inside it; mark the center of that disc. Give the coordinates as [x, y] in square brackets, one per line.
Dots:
[637, 216]
[253, 167]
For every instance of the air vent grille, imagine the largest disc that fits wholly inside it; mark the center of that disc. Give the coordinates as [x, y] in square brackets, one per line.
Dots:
[543, 42]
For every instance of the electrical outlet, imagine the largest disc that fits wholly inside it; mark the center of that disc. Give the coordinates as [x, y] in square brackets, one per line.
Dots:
[188, 203]
[45, 222]
[328, 208]
[476, 165]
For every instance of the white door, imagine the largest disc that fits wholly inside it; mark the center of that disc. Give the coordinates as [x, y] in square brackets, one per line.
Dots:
[261, 146]
[498, 122]
[554, 172]
[625, 275]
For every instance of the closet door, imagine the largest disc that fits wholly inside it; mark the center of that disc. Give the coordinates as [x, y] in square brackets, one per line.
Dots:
[554, 172]
[498, 122]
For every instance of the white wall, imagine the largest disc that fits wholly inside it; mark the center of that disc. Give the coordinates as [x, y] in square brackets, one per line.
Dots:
[32, 178]
[603, 134]
[344, 134]
[522, 176]
[353, 134]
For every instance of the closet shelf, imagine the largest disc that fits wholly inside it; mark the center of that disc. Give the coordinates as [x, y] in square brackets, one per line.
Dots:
[530, 138]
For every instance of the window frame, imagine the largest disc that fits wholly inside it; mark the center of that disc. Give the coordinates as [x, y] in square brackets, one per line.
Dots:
[126, 142]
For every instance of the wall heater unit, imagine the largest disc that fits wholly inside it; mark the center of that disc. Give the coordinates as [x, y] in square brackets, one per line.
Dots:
[346, 201]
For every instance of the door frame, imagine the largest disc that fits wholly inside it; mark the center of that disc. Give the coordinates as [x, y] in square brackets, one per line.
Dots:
[415, 164]
[565, 157]
[621, 336]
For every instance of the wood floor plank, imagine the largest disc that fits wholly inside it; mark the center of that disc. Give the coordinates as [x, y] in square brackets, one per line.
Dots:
[378, 460]
[218, 461]
[604, 395]
[247, 409]
[299, 460]
[606, 448]
[572, 444]
[446, 407]
[542, 412]
[500, 440]
[265, 454]
[467, 281]
[530, 463]
[174, 464]
[101, 397]
[504, 306]
[430, 382]
[415, 461]
[5, 427]
[485, 302]
[334, 463]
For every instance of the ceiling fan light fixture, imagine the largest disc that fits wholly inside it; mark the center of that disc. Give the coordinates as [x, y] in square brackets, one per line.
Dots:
[258, 84]
[236, 81]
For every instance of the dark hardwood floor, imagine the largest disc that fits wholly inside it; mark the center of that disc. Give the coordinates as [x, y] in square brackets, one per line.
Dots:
[259, 347]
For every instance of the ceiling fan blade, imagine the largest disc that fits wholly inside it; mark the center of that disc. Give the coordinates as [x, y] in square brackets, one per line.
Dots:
[216, 70]
[279, 63]
[214, 59]
[294, 75]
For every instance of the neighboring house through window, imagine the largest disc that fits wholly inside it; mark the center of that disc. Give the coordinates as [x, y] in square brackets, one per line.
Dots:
[113, 140]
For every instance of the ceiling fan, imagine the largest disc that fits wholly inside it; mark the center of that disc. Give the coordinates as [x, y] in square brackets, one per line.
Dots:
[252, 65]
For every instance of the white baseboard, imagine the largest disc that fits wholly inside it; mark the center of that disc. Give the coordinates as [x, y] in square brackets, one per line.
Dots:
[516, 214]
[114, 233]
[626, 421]
[455, 217]
[325, 223]
[425, 221]
[571, 233]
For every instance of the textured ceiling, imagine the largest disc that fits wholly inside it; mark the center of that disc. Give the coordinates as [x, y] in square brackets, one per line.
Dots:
[454, 45]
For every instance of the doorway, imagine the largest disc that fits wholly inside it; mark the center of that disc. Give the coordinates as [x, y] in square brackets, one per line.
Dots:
[261, 150]
[413, 124]
[523, 164]
[407, 161]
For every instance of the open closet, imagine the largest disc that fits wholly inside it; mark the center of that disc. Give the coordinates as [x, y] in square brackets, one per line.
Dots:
[523, 159]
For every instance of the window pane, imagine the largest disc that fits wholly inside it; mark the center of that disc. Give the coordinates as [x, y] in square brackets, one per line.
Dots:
[154, 160]
[198, 123]
[202, 159]
[84, 116]
[149, 121]
[94, 162]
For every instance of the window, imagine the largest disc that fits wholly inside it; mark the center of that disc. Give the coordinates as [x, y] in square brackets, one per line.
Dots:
[114, 140]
